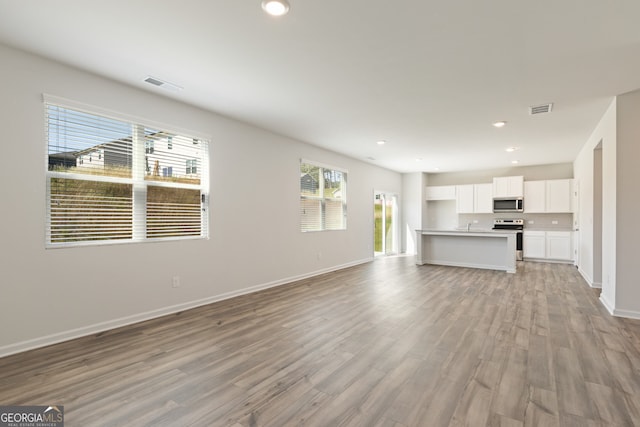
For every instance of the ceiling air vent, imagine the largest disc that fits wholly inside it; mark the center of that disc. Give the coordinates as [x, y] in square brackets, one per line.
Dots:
[154, 81]
[164, 85]
[540, 109]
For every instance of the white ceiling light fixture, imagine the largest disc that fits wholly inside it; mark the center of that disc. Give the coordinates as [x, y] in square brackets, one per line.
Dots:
[511, 149]
[275, 7]
[499, 124]
[381, 142]
[515, 162]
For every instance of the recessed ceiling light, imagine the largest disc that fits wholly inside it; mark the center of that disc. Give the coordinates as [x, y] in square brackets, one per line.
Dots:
[499, 124]
[511, 149]
[275, 7]
[515, 162]
[381, 142]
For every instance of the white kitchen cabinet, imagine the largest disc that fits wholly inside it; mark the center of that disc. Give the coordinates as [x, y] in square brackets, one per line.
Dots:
[464, 199]
[535, 196]
[551, 245]
[483, 198]
[474, 198]
[441, 192]
[551, 196]
[508, 186]
[534, 244]
[559, 196]
[559, 245]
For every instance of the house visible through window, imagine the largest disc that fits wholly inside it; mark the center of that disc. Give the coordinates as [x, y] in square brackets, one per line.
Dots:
[323, 198]
[192, 167]
[129, 189]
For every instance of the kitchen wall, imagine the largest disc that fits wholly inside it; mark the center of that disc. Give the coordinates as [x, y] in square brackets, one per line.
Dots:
[530, 173]
[441, 214]
[533, 221]
[56, 294]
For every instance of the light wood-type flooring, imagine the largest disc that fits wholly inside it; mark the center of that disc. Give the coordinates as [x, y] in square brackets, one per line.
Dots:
[386, 343]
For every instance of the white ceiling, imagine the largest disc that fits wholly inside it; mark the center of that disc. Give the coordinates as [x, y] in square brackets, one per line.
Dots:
[429, 77]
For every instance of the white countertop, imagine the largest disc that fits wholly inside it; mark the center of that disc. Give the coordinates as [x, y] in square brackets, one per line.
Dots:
[548, 229]
[472, 231]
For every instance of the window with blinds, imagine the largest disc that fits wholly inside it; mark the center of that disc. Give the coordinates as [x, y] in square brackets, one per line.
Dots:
[323, 197]
[113, 181]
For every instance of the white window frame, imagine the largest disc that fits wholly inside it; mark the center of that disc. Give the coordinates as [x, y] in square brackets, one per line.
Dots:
[139, 184]
[323, 199]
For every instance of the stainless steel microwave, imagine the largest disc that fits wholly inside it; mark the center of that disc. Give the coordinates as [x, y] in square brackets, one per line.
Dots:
[508, 204]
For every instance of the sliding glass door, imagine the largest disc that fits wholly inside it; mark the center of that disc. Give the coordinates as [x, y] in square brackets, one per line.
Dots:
[385, 214]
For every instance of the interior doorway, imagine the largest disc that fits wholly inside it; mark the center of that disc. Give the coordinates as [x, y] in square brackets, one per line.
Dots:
[385, 220]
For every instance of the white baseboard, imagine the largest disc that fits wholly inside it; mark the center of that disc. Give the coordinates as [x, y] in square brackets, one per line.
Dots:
[44, 341]
[588, 279]
[550, 260]
[630, 314]
[607, 304]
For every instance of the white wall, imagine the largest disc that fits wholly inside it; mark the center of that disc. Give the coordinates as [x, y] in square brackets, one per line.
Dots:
[604, 133]
[255, 238]
[413, 209]
[530, 173]
[627, 296]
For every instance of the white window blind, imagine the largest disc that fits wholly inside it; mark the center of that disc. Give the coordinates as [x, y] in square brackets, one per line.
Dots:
[323, 197]
[112, 180]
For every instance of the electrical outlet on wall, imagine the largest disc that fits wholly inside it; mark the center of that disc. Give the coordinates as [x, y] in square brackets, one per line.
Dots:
[175, 282]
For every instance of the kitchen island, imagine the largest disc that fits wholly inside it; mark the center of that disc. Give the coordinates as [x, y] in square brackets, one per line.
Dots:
[488, 249]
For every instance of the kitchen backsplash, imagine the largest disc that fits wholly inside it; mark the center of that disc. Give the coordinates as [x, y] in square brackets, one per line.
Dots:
[538, 221]
[441, 215]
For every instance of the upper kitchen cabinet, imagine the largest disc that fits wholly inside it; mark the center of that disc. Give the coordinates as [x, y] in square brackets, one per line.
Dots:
[483, 198]
[559, 195]
[552, 196]
[535, 196]
[464, 199]
[508, 186]
[474, 198]
[441, 192]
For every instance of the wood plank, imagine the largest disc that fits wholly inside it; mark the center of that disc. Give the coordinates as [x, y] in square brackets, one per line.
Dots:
[512, 394]
[572, 392]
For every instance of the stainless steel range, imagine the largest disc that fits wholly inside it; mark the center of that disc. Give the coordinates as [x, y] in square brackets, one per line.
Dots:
[512, 224]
